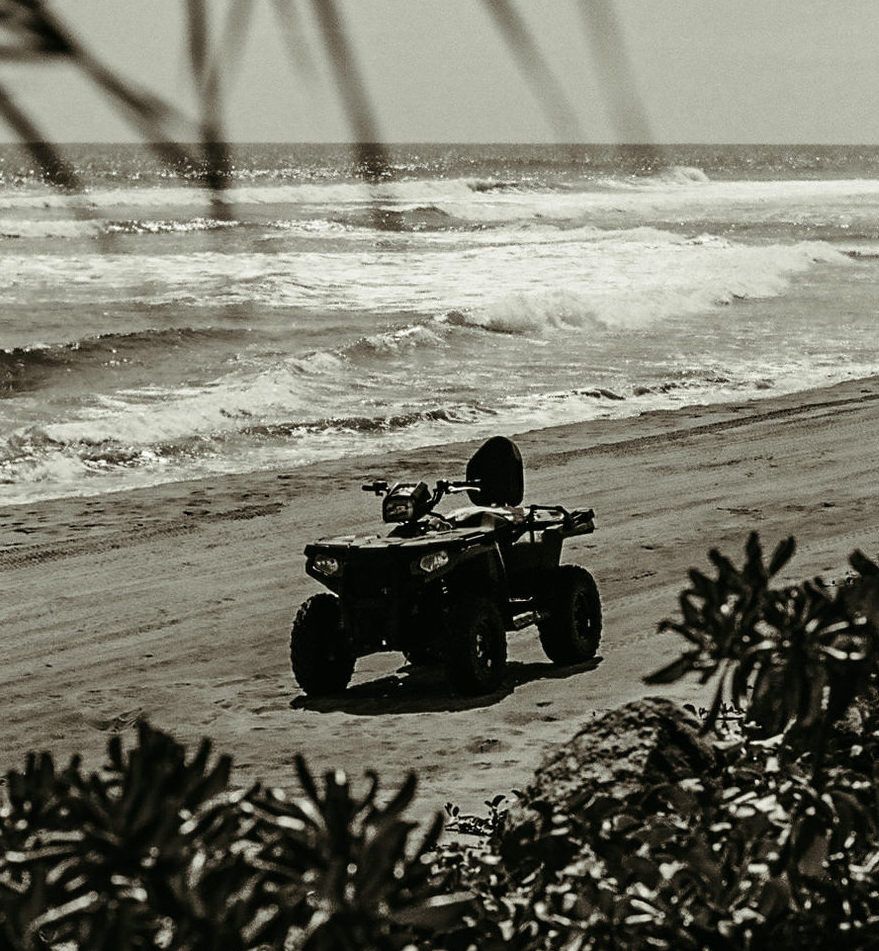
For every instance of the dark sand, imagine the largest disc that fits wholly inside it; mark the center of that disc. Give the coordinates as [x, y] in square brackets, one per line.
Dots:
[174, 603]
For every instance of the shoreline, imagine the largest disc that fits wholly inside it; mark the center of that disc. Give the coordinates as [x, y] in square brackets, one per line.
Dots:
[174, 602]
[601, 429]
[630, 412]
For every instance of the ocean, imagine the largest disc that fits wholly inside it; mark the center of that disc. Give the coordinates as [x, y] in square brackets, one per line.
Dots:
[478, 290]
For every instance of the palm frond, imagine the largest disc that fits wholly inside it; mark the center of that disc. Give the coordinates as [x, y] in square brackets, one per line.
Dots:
[215, 151]
[289, 23]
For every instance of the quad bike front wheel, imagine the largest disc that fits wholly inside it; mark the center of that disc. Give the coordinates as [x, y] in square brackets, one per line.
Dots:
[477, 647]
[320, 652]
[571, 630]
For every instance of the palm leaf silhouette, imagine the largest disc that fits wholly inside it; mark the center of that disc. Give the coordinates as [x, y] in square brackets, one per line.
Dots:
[32, 32]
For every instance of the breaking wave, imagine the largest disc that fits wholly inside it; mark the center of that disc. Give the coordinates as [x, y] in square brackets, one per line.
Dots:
[400, 339]
[626, 278]
[23, 368]
[405, 218]
[740, 273]
[493, 295]
[673, 194]
[50, 229]
[79, 228]
[338, 193]
[681, 175]
[169, 226]
[363, 424]
[420, 191]
[537, 312]
[46, 455]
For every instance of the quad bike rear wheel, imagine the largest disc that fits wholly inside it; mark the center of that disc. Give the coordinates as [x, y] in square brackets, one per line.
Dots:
[477, 647]
[320, 652]
[571, 631]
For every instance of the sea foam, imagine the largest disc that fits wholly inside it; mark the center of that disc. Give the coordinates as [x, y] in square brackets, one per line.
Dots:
[393, 316]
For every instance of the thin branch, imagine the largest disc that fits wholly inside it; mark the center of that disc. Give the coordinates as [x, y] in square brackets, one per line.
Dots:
[534, 67]
[197, 33]
[40, 30]
[372, 162]
[40, 34]
[607, 43]
[291, 31]
[221, 70]
[26, 19]
[215, 151]
[227, 60]
[11, 53]
[55, 169]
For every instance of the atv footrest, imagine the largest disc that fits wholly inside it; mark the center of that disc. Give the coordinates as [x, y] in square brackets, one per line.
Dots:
[524, 619]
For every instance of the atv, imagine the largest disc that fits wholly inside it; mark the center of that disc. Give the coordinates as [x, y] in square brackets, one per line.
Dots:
[446, 588]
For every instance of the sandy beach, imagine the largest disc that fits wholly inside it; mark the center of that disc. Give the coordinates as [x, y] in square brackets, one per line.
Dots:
[174, 603]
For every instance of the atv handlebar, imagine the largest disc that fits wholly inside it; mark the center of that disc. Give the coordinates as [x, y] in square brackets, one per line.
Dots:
[576, 522]
[447, 487]
[443, 487]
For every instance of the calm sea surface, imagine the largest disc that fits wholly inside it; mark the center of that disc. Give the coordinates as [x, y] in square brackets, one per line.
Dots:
[481, 289]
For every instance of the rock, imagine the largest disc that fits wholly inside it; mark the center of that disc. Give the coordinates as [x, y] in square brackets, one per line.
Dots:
[641, 744]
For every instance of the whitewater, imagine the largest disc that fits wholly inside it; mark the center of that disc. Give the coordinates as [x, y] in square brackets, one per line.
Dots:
[478, 290]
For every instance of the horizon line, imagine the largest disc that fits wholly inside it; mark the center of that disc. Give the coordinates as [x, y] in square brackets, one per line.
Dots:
[450, 142]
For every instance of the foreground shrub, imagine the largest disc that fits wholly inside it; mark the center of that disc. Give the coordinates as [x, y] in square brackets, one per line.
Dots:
[794, 658]
[767, 839]
[720, 847]
[154, 850]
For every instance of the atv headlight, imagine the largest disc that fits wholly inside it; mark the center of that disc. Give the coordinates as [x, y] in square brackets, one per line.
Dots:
[326, 564]
[406, 502]
[398, 510]
[433, 561]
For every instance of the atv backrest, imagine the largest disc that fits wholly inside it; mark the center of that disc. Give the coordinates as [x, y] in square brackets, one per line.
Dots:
[497, 467]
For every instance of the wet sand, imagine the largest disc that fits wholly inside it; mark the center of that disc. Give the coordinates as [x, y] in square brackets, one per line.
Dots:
[174, 603]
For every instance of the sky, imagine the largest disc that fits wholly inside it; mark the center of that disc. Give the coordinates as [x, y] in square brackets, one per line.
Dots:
[675, 71]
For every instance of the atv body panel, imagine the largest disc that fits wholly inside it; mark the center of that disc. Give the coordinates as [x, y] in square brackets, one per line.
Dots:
[388, 599]
[391, 601]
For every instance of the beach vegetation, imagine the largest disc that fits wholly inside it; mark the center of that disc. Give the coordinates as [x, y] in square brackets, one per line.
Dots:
[752, 825]
[155, 849]
[792, 657]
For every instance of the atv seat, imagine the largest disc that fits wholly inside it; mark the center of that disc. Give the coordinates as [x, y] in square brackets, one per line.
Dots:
[496, 467]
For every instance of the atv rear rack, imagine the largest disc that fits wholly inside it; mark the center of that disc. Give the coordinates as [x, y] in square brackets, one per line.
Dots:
[568, 523]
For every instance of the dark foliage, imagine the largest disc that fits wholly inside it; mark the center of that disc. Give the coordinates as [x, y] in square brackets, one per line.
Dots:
[154, 850]
[746, 855]
[792, 657]
[773, 842]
